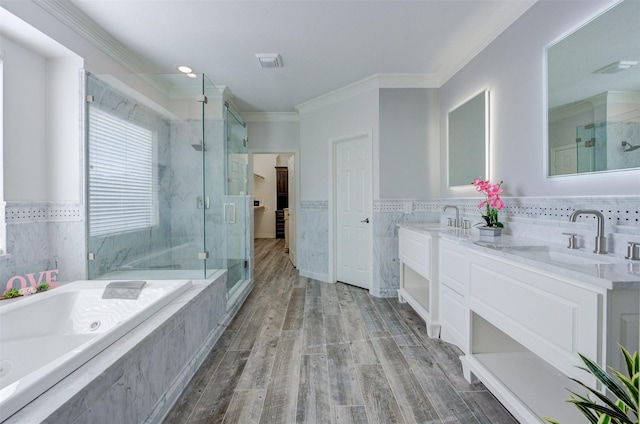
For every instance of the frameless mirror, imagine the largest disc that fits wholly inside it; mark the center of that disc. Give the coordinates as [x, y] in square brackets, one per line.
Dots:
[468, 140]
[594, 95]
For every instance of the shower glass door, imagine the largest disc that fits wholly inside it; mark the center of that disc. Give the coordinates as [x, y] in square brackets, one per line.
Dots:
[236, 204]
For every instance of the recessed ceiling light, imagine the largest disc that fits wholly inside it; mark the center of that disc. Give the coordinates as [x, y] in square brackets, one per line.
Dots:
[185, 69]
[269, 60]
[192, 75]
[618, 66]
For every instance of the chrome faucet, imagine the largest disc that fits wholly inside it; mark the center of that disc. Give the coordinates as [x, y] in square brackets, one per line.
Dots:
[457, 221]
[601, 240]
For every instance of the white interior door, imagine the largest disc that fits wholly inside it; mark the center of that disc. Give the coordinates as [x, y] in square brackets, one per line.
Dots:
[564, 160]
[353, 189]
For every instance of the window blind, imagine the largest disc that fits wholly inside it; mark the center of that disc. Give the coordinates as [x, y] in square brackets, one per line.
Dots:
[122, 194]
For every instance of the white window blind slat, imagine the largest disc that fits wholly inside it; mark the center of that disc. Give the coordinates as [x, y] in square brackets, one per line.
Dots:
[122, 190]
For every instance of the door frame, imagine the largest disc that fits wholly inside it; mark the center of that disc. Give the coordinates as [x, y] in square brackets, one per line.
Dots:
[274, 151]
[333, 263]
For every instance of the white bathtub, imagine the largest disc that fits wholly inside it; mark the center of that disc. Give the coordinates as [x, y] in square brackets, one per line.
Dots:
[44, 337]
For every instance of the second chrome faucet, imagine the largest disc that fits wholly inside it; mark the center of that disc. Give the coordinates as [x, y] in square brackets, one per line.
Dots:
[457, 223]
[601, 240]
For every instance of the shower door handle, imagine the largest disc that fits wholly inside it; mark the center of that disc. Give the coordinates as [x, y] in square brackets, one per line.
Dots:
[229, 212]
[202, 202]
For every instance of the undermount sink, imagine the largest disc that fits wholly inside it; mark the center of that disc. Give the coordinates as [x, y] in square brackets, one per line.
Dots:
[546, 254]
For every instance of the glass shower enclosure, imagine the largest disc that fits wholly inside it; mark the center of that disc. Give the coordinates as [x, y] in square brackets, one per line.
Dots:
[165, 194]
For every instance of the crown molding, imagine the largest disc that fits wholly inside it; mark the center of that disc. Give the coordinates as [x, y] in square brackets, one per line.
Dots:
[511, 11]
[408, 81]
[365, 85]
[271, 116]
[84, 26]
[339, 95]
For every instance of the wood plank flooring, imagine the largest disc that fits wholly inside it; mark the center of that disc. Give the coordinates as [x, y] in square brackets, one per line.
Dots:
[302, 351]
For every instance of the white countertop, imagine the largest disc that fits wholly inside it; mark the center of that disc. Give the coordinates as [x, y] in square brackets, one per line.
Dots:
[608, 271]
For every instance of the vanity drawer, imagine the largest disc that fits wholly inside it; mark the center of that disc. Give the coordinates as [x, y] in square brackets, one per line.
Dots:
[454, 267]
[414, 249]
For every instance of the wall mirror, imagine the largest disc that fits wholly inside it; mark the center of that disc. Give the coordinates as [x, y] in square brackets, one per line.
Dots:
[468, 141]
[594, 95]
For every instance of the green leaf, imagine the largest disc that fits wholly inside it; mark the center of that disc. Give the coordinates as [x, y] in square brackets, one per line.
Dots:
[633, 362]
[606, 380]
[593, 419]
[604, 399]
[613, 413]
[631, 387]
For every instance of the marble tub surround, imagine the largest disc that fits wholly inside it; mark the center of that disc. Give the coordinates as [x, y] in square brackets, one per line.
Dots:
[138, 377]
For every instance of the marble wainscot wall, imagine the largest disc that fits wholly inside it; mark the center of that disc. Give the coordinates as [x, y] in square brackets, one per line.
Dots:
[43, 236]
[313, 239]
[543, 219]
[139, 377]
[387, 214]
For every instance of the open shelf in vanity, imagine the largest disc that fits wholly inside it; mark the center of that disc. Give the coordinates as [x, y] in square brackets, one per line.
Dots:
[526, 384]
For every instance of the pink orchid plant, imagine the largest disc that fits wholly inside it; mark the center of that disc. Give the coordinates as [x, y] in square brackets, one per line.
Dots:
[493, 203]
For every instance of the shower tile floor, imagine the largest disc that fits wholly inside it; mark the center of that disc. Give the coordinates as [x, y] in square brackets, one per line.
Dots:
[302, 351]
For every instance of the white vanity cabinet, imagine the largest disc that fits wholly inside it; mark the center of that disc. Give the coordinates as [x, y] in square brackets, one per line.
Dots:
[526, 328]
[521, 312]
[418, 252]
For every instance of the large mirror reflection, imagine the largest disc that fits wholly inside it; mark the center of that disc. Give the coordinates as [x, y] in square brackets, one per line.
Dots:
[594, 95]
[467, 141]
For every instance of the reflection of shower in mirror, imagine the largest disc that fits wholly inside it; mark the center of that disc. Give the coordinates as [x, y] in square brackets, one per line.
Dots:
[628, 147]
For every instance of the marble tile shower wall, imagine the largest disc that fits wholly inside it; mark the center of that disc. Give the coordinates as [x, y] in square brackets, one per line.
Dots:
[178, 238]
[116, 251]
[188, 219]
[617, 132]
[43, 236]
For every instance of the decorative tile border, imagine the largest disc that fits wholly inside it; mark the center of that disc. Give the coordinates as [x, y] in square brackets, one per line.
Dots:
[30, 212]
[616, 210]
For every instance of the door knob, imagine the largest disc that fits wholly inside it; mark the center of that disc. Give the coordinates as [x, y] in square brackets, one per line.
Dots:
[366, 221]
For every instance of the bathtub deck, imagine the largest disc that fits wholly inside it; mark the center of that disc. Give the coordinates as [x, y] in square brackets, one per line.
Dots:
[304, 351]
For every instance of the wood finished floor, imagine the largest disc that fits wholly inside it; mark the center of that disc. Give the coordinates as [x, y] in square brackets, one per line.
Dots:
[302, 351]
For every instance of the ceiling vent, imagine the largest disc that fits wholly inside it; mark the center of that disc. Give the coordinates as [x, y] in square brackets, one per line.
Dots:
[618, 66]
[269, 60]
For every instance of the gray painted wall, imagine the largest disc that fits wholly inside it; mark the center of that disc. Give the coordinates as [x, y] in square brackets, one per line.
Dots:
[408, 119]
[513, 69]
